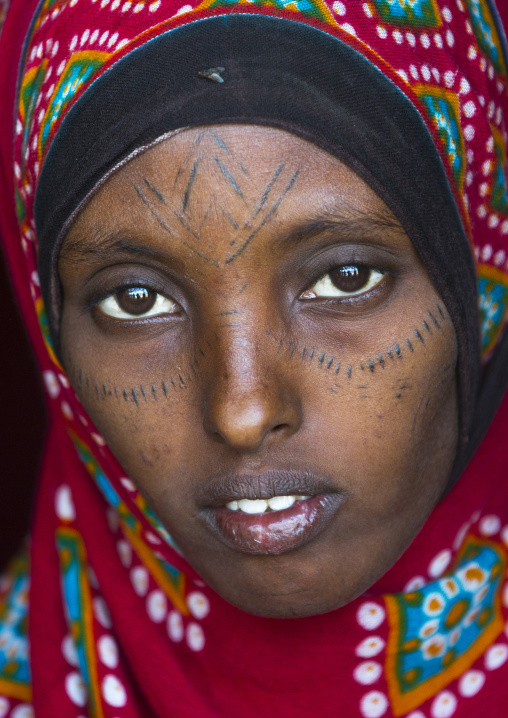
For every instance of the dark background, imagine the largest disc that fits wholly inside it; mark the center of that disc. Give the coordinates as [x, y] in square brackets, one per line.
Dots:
[23, 414]
[22, 425]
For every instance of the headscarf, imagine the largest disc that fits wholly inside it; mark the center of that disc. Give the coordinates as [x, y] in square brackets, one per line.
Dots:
[102, 616]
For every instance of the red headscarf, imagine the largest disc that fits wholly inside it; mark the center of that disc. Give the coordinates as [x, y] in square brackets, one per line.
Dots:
[102, 616]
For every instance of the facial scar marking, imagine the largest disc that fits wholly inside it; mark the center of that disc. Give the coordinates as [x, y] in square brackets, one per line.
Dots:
[182, 381]
[303, 351]
[230, 218]
[427, 327]
[199, 254]
[227, 174]
[269, 188]
[192, 150]
[440, 311]
[321, 358]
[143, 392]
[338, 367]
[125, 395]
[116, 392]
[349, 371]
[186, 226]
[389, 352]
[192, 179]
[418, 336]
[105, 389]
[311, 354]
[266, 218]
[154, 392]
[154, 213]
[434, 320]
[97, 390]
[135, 396]
[155, 191]
[381, 360]
[371, 365]
[397, 351]
[231, 311]
[220, 142]
[243, 288]
[330, 362]
[409, 345]
[165, 388]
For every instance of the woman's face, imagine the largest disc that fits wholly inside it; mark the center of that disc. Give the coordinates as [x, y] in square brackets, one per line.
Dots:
[254, 335]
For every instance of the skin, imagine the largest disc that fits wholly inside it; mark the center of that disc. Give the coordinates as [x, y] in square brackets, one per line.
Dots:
[253, 372]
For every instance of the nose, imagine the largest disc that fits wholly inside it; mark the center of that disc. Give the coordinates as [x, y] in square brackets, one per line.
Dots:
[250, 400]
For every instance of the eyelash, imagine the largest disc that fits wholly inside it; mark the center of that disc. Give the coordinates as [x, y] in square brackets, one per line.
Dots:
[160, 297]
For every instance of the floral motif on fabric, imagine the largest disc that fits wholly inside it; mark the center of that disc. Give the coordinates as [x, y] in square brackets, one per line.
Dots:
[28, 97]
[437, 632]
[442, 106]
[113, 498]
[81, 67]
[493, 304]
[14, 659]
[43, 323]
[78, 605]
[412, 13]
[499, 194]
[486, 33]
[309, 8]
[169, 578]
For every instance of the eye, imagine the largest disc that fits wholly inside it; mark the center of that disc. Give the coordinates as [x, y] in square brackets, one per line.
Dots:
[136, 303]
[347, 280]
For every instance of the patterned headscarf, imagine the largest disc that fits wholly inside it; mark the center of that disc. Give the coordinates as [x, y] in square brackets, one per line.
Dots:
[118, 623]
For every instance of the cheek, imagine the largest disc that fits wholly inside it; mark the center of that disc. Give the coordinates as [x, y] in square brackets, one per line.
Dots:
[390, 435]
[141, 396]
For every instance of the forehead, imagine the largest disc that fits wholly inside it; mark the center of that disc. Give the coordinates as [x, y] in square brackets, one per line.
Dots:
[231, 160]
[208, 193]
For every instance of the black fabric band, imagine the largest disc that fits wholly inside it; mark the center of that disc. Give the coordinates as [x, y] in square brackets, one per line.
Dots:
[284, 74]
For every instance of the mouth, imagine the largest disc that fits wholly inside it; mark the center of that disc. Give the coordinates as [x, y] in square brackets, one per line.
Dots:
[271, 513]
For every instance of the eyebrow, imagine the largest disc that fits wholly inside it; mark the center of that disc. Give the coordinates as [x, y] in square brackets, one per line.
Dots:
[353, 226]
[99, 242]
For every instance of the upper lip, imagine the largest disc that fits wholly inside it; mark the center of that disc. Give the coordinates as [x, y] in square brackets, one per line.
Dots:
[225, 487]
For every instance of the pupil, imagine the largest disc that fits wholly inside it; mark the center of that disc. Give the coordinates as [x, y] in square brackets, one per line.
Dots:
[350, 278]
[136, 300]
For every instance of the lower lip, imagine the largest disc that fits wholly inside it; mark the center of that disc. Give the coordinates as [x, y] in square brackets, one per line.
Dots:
[273, 532]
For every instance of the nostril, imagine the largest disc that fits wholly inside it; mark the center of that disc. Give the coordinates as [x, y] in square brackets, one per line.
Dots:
[279, 428]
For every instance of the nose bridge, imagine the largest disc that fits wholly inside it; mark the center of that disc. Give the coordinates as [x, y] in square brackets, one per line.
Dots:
[248, 399]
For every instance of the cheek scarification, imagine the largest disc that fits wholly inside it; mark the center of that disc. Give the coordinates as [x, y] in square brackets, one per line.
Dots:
[336, 369]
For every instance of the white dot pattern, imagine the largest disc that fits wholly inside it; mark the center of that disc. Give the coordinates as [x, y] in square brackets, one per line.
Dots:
[374, 704]
[370, 615]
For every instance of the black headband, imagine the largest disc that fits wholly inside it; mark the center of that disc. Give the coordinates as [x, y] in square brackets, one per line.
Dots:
[284, 74]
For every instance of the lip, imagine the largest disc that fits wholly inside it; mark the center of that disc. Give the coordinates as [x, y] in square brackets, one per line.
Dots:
[272, 532]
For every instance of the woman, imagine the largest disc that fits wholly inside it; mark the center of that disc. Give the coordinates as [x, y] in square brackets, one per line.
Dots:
[255, 238]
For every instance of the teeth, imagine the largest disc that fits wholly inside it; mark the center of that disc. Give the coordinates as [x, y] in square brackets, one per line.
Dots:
[281, 502]
[259, 506]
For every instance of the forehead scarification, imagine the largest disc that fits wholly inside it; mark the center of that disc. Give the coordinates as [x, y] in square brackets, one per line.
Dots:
[212, 183]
